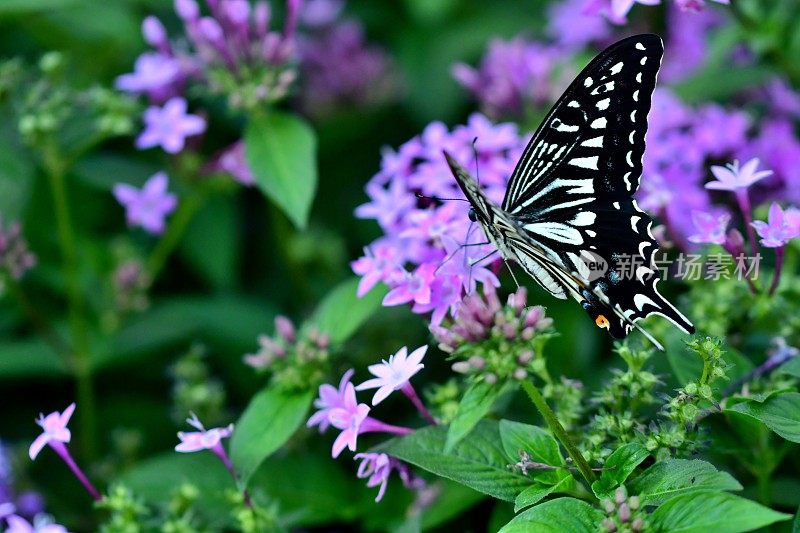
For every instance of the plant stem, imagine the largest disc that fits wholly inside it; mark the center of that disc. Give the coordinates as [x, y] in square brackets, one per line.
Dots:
[177, 227]
[58, 344]
[743, 198]
[559, 431]
[81, 363]
[411, 394]
[776, 276]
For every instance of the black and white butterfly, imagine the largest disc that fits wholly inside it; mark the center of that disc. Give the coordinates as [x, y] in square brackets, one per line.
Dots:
[569, 201]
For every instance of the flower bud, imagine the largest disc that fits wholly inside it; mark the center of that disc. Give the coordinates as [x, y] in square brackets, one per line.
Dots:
[608, 505]
[691, 388]
[461, 367]
[633, 502]
[520, 374]
[285, 328]
[624, 513]
[477, 362]
[154, 32]
[637, 525]
[609, 525]
[619, 495]
[187, 9]
[490, 378]
[525, 357]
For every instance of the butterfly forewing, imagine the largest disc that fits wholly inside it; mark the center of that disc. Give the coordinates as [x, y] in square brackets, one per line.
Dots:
[569, 199]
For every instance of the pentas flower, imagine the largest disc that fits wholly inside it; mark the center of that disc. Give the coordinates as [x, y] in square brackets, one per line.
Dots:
[710, 228]
[339, 68]
[779, 229]
[348, 418]
[54, 428]
[732, 177]
[232, 161]
[41, 524]
[393, 374]
[569, 27]
[15, 258]
[169, 126]
[56, 434]
[203, 439]
[420, 233]
[614, 10]
[340, 409]
[686, 42]
[149, 206]
[479, 336]
[777, 144]
[330, 398]
[782, 98]
[376, 467]
[155, 74]
[680, 140]
[513, 76]
[231, 52]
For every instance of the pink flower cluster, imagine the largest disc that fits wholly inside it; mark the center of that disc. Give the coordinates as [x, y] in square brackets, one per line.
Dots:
[421, 257]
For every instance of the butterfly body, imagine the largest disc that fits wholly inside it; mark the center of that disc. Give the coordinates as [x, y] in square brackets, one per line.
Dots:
[568, 217]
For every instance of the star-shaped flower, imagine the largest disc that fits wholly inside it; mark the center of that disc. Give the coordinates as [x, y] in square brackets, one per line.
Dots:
[169, 126]
[203, 439]
[777, 231]
[152, 73]
[55, 429]
[376, 467]
[329, 399]
[17, 524]
[149, 206]
[732, 177]
[393, 374]
[711, 228]
[348, 418]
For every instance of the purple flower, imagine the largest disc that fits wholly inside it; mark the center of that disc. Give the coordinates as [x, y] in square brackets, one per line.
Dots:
[233, 161]
[381, 261]
[56, 434]
[169, 126]
[615, 10]
[154, 74]
[202, 439]
[420, 233]
[777, 231]
[513, 74]
[388, 204]
[329, 399]
[573, 29]
[41, 524]
[339, 68]
[711, 228]
[54, 428]
[414, 286]
[731, 177]
[393, 374]
[149, 206]
[791, 217]
[15, 258]
[782, 98]
[348, 418]
[376, 467]
[318, 13]
[779, 147]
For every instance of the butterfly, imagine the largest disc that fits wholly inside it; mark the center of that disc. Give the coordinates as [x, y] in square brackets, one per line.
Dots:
[568, 217]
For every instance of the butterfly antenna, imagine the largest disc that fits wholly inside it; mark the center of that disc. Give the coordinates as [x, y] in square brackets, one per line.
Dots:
[420, 195]
[477, 168]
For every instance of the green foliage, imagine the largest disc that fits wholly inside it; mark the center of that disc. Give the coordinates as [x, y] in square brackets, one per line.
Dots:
[269, 421]
[715, 511]
[779, 412]
[282, 153]
[476, 402]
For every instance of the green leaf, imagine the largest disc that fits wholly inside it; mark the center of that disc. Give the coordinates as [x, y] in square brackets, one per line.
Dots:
[477, 401]
[341, 313]
[674, 477]
[30, 358]
[453, 500]
[780, 413]
[618, 467]
[536, 493]
[540, 445]
[719, 512]
[281, 150]
[796, 522]
[562, 515]
[271, 418]
[791, 367]
[478, 462]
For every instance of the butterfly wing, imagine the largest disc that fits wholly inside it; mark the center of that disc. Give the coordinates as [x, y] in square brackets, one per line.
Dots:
[571, 191]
